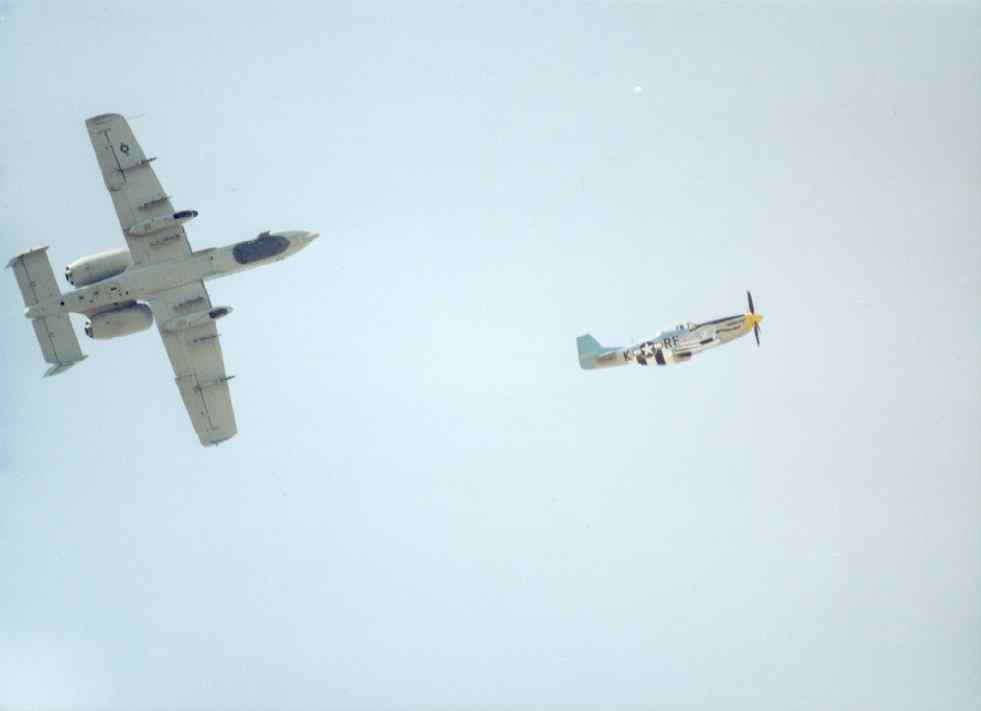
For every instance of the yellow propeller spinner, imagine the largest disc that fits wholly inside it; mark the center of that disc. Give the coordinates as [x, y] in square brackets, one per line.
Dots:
[753, 319]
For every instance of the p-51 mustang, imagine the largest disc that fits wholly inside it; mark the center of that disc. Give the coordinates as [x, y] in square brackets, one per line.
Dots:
[675, 346]
[156, 276]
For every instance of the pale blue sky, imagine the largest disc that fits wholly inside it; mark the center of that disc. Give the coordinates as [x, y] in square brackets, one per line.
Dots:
[428, 504]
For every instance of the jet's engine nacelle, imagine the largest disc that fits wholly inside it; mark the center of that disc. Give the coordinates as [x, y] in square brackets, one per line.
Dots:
[119, 322]
[156, 224]
[181, 323]
[97, 267]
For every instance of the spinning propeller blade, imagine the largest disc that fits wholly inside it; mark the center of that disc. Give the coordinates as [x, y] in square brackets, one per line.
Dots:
[756, 319]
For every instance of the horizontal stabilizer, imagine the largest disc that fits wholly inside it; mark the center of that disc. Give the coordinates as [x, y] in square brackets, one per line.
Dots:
[58, 343]
[36, 280]
[34, 276]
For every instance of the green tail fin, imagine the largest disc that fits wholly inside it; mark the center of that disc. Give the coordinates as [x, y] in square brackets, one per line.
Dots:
[588, 348]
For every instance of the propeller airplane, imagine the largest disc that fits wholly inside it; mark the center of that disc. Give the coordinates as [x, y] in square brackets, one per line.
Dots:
[675, 346]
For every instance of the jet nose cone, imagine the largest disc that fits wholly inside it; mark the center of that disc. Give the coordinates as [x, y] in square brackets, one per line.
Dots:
[298, 235]
[300, 238]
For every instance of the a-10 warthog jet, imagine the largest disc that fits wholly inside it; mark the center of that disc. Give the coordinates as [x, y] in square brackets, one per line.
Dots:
[157, 276]
[675, 346]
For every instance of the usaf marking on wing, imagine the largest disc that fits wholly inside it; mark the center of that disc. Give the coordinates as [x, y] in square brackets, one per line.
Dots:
[675, 346]
[156, 276]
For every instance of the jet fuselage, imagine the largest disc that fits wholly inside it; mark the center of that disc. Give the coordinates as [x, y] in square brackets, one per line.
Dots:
[140, 283]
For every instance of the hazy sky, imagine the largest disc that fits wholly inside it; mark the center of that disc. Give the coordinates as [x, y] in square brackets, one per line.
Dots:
[429, 505]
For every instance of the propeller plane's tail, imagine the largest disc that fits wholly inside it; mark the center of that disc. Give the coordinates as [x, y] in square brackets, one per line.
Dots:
[588, 348]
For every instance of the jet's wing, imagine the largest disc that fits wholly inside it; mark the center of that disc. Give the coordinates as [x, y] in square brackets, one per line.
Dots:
[195, 354]
[136, 193]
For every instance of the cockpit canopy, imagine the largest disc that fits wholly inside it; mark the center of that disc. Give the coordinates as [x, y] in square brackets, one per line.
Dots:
[262, 247]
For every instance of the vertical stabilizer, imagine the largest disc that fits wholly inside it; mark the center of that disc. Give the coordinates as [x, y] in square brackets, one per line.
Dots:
[588, 348]
[36, 280]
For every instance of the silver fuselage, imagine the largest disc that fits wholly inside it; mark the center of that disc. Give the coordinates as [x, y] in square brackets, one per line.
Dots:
[677, 345]
[142, 283]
